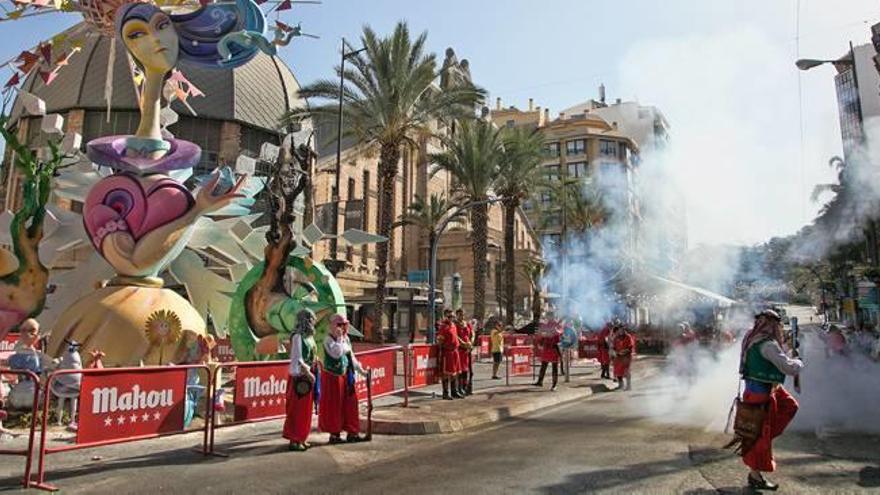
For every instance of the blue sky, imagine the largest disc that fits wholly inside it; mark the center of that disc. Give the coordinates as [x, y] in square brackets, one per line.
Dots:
[722, 71]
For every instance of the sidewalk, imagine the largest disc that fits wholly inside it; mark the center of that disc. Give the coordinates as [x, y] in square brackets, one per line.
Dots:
[492, 400]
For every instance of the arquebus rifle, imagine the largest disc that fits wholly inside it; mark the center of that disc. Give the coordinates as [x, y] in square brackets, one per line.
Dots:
[796, 349]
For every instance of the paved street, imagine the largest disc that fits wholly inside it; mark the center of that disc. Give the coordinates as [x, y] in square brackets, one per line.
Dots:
[601, 444]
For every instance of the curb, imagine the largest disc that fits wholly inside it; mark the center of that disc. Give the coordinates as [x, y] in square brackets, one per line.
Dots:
[490, 415]
[499, 413]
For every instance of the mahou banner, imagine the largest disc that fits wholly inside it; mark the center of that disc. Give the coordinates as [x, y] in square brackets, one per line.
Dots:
[223, 351]
[424, 363]
[261, 391]
[588, 348]
[126, 404]
[383, 363]
[484, 345]
[520, 361]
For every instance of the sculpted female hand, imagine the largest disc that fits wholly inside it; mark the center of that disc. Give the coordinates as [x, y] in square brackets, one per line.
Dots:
[207, 201]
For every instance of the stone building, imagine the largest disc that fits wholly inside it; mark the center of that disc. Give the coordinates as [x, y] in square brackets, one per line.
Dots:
[409, 255]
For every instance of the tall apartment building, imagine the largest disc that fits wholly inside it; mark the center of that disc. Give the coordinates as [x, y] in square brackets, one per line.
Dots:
[663, 230]
[858, 94]
[585, 146]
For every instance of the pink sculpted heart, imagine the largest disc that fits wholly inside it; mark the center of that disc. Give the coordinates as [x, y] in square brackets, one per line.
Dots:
[137, 205]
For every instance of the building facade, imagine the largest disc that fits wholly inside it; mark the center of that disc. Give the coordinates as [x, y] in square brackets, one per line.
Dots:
[585, 147]
[858, 98]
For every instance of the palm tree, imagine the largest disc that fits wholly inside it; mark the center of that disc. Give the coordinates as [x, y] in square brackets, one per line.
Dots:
[533, 271]
[390, 100]
[472, 157]
[520, 171]
[426, 215]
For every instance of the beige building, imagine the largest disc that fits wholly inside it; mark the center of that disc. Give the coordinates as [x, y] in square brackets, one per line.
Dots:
[409, 254]
[583, 146]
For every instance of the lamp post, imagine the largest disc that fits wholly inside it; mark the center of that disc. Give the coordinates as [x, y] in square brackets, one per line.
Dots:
[432, 264]
[809, 63]
[333, 264]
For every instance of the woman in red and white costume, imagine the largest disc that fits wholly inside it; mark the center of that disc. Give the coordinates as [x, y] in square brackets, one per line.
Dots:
[338, 405]
[303, 354]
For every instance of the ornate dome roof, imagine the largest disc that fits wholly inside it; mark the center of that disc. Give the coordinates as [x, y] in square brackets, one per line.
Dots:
[256, 94]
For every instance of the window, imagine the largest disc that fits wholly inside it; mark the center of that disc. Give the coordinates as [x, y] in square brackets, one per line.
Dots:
[95, 125]
[554, 241]
[551, 150]
[577, 169]
[445, 268]
[575, 147]
[366, 189]
[206, 134]
[350, 189]
[607, 148]
[546, 198]
[551, 172]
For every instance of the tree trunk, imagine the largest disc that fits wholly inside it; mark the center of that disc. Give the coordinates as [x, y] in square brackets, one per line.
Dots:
[480, 218]
[509, 259]
[388, 157]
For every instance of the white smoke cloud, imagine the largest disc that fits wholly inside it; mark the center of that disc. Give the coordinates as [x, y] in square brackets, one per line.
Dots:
[731, 99]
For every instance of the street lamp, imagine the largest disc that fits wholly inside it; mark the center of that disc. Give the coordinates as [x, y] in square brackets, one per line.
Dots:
[809, 63]
[333, 264]
[432, 264]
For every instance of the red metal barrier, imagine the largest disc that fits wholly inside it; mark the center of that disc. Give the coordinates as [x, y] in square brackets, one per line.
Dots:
[483, 342]
[522, 358]
[260, 392]
[108, 417]
[423, 365]
[29, 451]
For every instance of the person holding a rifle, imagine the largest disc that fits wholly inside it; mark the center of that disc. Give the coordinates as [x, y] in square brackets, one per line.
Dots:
[338, 405]
[623, 348]
[465, 353]
[549, 350]
[447, 339]
[766, 408]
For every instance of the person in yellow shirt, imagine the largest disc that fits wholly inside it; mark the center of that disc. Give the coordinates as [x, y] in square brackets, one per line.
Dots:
[496, 346]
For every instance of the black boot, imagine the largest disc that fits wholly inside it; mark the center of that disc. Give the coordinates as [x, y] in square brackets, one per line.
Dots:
[445, 382]
[541, 373]
[453, 387]
[762, 483]
[555, 376]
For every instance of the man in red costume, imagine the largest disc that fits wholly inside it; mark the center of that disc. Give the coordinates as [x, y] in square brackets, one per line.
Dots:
[604, 357]
[763, 365]
[623, 345]
[549, 351]
[447, 338]
[465, 349]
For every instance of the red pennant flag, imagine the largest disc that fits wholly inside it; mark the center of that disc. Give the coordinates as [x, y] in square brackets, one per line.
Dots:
[260, 2]
[48, 76]
[285, 5]
[284, 27]
[13, 81]
[27, 61]
[46, 51]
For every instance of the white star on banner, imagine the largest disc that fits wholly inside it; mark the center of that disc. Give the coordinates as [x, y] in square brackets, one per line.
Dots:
[108, 421]
[254, 404]
[262, 403]
[133, 418]
[120, 420]
[145, 417]
[156, 415]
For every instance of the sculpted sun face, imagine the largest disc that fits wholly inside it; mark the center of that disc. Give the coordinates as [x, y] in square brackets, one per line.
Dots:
[154, 44]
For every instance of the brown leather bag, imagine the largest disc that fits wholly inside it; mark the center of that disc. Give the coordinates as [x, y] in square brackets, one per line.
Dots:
[747, 426]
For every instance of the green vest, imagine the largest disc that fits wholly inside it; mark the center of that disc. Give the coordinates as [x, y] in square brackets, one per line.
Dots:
[336, 366]
[309, 349]
[758, 368]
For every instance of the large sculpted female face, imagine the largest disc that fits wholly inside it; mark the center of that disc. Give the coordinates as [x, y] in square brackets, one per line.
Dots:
[153, 42]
